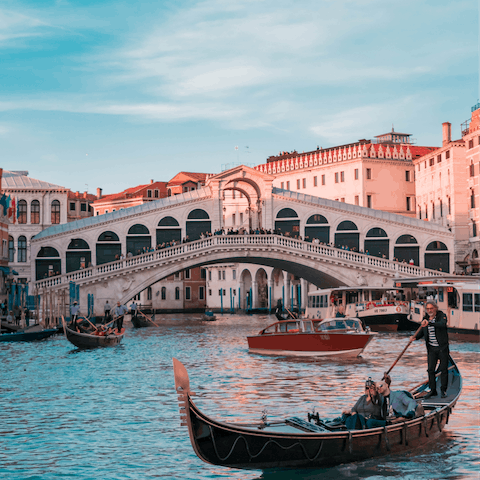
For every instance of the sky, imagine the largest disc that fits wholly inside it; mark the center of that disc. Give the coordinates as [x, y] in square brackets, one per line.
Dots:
[111, 94]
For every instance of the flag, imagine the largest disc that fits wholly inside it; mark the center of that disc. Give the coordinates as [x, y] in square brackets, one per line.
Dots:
[12, 211]
[3, 203]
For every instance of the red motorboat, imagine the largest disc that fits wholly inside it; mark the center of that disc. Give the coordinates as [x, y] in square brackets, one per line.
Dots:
[304, 337]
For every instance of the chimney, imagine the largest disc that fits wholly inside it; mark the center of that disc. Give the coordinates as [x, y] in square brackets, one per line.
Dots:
[84, 194]
[151, 181]
[446, 133]
[99, 192]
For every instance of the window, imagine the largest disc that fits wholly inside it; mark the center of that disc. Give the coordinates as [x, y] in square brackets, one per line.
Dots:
[439, 158]
[203, 274]
[219, 274]
[282, 185]
[342, 199]
[22, 249]
[11, 249]
[304, 181]
[223, 275]
[234, 274]
[419, 212]
[433, 210]
[408, 204]
[447, 154]
[83, 207]
[356, 174]
[176, 276]
[233, 219]
[288, 185]
[369, 173]
[474, 228]
[407, 175]
[187, 273]
[149, 293]
[472, 199]
[472, 170]
[369, 200]
[323, 179]
[155, 193]
[210, 275]
[35, 212]
[55, 212]
[298, 184]
[187, 293]
[209, 292]
[468, 302]
[431, 162]
[470, 144]
[177, 293]
[441, 208]
[22, 211]
[342, 176]
[201, 293]
[72, 206]
[357, 200]
[315, 181]
[149, 193]
[336, 177]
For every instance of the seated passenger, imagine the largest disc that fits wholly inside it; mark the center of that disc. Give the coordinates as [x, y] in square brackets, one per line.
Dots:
[399, 404]
[367, 412]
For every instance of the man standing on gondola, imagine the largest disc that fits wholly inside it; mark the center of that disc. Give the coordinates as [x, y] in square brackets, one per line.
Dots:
[107, 309]
[74, 312]
[434, 330]
[120, 311]
[133, 310]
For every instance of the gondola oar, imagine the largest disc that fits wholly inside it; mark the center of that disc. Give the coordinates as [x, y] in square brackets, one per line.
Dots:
[290, 313]
[412, 338]
[89, 322]
[149, 319]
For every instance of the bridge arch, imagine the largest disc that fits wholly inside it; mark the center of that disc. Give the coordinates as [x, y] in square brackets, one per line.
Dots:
[138, 239]
[108, 247]
[347, 236]
[168, 229]
[78, 255]
[47, 263]
[407, 249]
[287, 222]
[198, 222]
[317, 227]
[437, 256]
[377, 243]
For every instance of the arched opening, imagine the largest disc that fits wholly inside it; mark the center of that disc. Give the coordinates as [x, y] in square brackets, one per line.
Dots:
[347, 236]
[78, 255]
[168, 229]
[262, 288]
[377, 243]
[407, 250]
[138, 239]
[287, 223]
[55, 212]
[108, 248]
[198, 222]
[47, 263]
[22, 249]
[317, 228]
[35, 212]
[22, 212]
[246, 290]
[437, 257]
[11, 249]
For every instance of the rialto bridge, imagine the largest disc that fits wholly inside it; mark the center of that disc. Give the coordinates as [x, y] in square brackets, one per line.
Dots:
[337, 244]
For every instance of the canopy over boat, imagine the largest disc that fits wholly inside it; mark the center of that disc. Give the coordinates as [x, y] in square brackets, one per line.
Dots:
[298, 443]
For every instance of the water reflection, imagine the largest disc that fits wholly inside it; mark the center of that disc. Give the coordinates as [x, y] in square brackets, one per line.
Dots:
[112, 413]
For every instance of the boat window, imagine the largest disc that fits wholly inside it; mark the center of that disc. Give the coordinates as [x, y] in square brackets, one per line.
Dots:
[376, 295]
[307, 326]
[282, 327]
[477, 302]
[318, 326]
[310, 301]
[292, 327]
[340, 324]
[453, 297]
[270, 329]
[352, 297]
[440, 294]
[467, 302]
[352, 324]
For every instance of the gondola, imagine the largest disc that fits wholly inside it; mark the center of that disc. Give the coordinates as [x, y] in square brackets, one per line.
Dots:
[141, 322]
[30, 334]
[87, 340]
[309, 443]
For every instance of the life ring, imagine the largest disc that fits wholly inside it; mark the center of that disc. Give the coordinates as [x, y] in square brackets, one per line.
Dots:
[370, 305]
[398, 309]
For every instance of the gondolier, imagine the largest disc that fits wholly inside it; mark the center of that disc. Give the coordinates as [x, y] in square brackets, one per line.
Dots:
[120, 311]
[74, 312]
[107, 309]
[434, 330]
[133, 310]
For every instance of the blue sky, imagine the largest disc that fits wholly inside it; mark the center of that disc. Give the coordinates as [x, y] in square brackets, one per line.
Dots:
[112, 94]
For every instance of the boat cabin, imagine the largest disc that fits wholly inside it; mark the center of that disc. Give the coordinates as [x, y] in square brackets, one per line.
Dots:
[312, 326]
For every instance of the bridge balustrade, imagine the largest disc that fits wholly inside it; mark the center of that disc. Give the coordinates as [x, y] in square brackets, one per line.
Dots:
[182, 250]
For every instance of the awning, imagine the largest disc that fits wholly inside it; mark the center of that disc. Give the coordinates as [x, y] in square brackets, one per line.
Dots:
[8, 271]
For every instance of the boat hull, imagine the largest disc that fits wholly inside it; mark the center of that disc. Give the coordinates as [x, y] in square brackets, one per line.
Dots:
[309, 344]
[139, 322]
[266, 446]
[28, 336]
[85, 340]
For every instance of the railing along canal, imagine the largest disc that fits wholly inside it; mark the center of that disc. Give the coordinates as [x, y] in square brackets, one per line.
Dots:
[227, 241]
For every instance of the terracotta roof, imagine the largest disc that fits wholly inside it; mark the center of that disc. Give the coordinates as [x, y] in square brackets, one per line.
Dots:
[183, 177]
[81, 195]
[140, 191]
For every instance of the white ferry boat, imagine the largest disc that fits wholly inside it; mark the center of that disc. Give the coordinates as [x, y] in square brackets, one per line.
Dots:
[458, 297]
[380, 308]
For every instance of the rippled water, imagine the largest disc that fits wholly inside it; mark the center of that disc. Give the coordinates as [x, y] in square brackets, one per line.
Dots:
[112, 413]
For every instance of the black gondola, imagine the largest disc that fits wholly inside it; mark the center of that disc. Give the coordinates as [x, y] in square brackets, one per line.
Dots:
[141, 322]
[298, 443]
[87, 340]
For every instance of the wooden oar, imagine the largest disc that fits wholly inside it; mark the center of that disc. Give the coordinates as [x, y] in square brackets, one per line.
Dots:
[85, 318]
[149, 319]
[114, 320]
[412, 338]
[290, 313]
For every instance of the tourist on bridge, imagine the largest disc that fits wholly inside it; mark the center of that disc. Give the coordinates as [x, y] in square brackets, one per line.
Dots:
[107, 309]
[434, 330]
[133, 309]
[120, 311]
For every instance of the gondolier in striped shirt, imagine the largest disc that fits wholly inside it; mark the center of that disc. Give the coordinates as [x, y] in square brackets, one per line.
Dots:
[434, 330]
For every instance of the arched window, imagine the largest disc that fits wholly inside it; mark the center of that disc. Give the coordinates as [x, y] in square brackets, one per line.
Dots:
[149, 293]
[11, 249]
[435, 246]
[22, 249]
[198, 214]
[164, 293]
[377, 232]
[198, 222]
[55, 213]
[376, 243]
[349, 238]
[138, 239]
[407, 250]
[80, 258]
[168, 229]
[402, 239]
[287, 222]
[138, 230]
[47, 263]
[347, 225]
[317, 229]
[168, 222]
[35, 212]
[437, 257]
[78, 244]
[287, 213]
[108, 237]
[22, 212]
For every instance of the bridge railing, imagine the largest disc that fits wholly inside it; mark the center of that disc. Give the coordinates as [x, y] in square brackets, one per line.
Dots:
[206, 244]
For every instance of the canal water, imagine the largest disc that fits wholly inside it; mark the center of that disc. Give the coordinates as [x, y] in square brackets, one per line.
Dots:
[112, 413]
